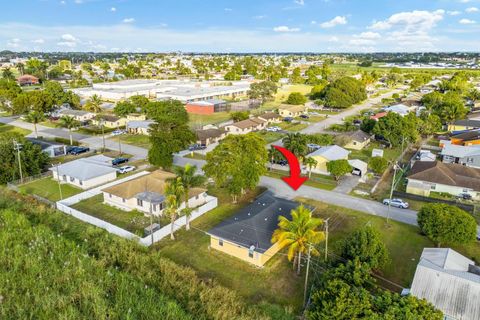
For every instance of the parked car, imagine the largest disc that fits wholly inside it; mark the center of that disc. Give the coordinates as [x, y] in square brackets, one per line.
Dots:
[273, 129]
[281, 162]
[118, 132]
[313, 146]
[197, 146]
[399, 203]
[78, 150]
[119, 160]
[288, 119]
[304, 116]
[464, 196]
[125, 169]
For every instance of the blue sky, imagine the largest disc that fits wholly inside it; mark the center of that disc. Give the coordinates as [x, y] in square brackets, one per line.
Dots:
[240, 26]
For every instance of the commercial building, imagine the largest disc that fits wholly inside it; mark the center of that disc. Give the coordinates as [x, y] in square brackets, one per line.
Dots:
[206, 106]
[247, 235]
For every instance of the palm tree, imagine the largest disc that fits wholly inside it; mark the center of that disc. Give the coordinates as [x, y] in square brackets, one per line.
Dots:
[94, 104]
[189, 180]
[174, 192]
[21, 68]
[8, 74]
[310, 163]
[35, 117]
[69, 123]
[296, 143]
[298, 234]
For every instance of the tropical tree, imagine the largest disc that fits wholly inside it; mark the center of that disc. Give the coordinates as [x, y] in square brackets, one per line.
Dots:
[174, 192]
[8, 74]
[338, 168]
[94, 104]
[69, 123]
[296, 143]
[310, 163]
[296, 98]
[189, 180]
[35, 117]
[298, 234]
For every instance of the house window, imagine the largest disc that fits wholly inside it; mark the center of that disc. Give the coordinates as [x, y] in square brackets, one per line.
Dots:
[72, 179]
[433, 186]
[220, 242]
[123, 200]
[465, 190]
[154, 207]
[64, 177]
[354, 143]
[250, 254]
[160, 206]
[469, 160]
[80, 182]
[109, 195]
[139, 203]
[197, 197]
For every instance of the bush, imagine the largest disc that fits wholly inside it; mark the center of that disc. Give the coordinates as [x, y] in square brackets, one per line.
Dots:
[296, 98]
[378, 164]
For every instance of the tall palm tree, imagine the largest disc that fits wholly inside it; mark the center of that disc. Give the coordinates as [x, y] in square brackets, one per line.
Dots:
[189, 180]
[35, 117]
[310, 163]
[174, 192]
[298, 234]
[69, 123]
[296, 143]
[21, 68]
[94, 104]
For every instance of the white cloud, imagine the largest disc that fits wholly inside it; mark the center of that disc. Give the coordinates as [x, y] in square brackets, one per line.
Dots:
[368, 35]
[113, 9]
[471, 10]
[38, 41]
[454, 13]
[68, 37]
[228, 9]
[299, 2]
[67, 40]
[14, 43]
[466, 21]
[338, 20]
[285, 29]
[465, 1]
[128, 20]
[411, 20]
[334, 39]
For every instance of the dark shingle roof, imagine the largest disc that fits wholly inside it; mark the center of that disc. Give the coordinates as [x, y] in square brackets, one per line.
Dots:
[359, 136]
[467, 135]
[255, 223]
[468, 123]
[450, 174]
[209, 133]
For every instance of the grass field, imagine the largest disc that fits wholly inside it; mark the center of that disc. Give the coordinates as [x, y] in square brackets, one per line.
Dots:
[199, 120]
[133, 221]
[294, 127]
[275, 283]
[6, 128]
[404, 242]
[282, 95]
[316, 180]
[366, 153]
[270, 137]
[138, 140]
[48, 188]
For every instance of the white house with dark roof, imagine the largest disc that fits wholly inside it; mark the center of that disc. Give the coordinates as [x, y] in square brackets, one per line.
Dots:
[450, 281]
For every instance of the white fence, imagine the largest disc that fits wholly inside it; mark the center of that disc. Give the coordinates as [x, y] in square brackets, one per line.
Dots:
[64, 206]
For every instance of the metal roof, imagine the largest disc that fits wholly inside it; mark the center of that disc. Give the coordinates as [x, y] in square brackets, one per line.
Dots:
[86, 168]
[330, 153]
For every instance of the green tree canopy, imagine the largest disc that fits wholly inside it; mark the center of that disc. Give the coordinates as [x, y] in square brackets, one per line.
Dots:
[378, 164]
[264, 90]
[339, 168]
[296, 98]
[343, 93]
[123, 108]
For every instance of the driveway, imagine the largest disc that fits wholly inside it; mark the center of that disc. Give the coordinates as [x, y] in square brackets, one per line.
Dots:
[346, 184]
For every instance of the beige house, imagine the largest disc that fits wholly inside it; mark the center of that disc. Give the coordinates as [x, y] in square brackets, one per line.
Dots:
[246, 126]
[136, 117]
[287, 110]
[358, 140]
[147, 193]
[271, 117]
[109, 121]
[78, 115]
[435, 176]
[327, 154]
[208, 136]
[139, 127]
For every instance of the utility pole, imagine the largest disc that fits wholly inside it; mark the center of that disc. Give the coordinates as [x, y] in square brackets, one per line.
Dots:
[103, 134]
[306, 275]
[17, 147]
[326, 238]
[119, 143]
[391, 191]
[151, 221]
[59, 184]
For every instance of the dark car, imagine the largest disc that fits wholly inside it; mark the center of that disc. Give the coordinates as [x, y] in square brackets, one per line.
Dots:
[304, 116]
[281, 162]
[464, 196]
[196, 146]
[118, 161]
[78, 150]
[288, 119]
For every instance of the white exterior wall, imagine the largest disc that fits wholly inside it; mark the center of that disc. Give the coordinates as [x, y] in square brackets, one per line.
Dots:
[86, 184]
[453, 190]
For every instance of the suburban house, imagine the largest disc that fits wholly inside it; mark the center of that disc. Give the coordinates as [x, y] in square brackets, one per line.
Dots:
[78, 115]
[139, 127]
[450, 281]
[208, 136]
[327, 154]
[247, 235]
[85, 173]
[53, 149]
[467, 138]
[399, 109]
[246, 126]
[358, 140]
[109, 121]
[378, 116]
[436, 176]
[270, 117]
[287, 110]
[464, 125]
[136, 117]
[147, 194]
[466, 155]
[206, 106]
[425, 155]
[27, 80]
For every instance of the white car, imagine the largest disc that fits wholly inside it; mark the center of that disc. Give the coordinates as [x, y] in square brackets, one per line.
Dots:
[313, 146]
[399, 203]
[118, 132]
[273, 129]
[125, 169]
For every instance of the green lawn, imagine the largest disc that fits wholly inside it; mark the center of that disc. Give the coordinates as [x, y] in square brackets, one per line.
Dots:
[199, 120]
[317, 180]
[6, 128]
[48, 188]
[133, 221]
[282, 95]
[312, 119]
[275, 283]
[270, 137]
[404, 242]
[138, 140]
[289, 126]
[366, 153]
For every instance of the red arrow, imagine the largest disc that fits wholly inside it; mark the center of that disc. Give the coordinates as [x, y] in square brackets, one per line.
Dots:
[294, 180]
